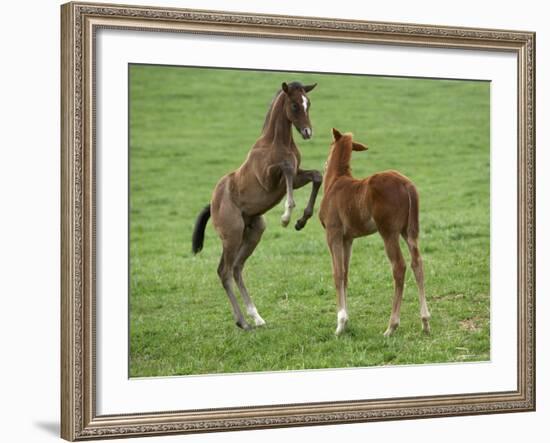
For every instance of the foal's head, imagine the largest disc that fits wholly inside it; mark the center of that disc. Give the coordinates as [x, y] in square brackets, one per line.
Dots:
[297, 106]
[340, 152]
[346, 141]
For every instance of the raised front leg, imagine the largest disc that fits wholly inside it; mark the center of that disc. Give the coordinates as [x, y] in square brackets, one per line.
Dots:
[303, 178]
[288, 173]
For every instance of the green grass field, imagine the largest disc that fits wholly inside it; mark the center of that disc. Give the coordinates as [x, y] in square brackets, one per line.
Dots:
[190, 126]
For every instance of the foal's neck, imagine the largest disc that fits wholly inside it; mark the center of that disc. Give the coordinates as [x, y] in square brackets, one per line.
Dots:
[278, 128]
[338, 164]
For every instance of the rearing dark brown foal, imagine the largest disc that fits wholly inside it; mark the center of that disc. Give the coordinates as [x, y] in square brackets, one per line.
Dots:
[271, 170]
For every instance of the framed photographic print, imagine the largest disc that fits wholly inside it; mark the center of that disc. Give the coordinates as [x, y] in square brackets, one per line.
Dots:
[284, 221]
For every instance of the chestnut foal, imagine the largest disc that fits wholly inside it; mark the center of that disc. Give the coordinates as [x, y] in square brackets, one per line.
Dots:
[271, 170]
[386, 202]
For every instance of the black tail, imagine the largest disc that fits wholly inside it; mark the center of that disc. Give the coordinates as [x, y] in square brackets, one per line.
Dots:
[200, 226]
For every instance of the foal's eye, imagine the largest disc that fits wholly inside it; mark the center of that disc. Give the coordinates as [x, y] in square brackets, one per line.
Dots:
[294, 107]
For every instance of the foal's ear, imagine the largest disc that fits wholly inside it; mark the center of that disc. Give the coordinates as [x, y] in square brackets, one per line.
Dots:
[358, 146]
[336, 134]
[285, 87]
[308, 88]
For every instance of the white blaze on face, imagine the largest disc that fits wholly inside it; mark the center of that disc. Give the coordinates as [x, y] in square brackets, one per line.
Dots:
[304, 102]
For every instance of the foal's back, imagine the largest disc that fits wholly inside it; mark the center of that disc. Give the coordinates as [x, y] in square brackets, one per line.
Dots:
[364, 206]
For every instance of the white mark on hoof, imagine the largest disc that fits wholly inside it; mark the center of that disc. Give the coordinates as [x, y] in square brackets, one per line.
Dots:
[258, 320]
[285, 218]
[342, 319]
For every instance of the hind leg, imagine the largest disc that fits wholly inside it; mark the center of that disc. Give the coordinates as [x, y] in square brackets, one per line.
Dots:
[393, 251]
[418, 269]
[251, 237]
[230, 226]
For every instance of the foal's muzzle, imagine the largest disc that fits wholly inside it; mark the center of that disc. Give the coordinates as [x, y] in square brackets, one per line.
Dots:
[306, 133]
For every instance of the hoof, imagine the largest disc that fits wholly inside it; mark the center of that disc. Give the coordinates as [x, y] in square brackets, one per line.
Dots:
[389, 332]
[284, 222]
[299, 225]
[253, 312]
[426, 327]
[243, 325]
[342, 319]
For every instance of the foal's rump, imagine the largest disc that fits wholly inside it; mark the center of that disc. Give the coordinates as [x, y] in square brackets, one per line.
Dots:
[208, 211]
[394, 202]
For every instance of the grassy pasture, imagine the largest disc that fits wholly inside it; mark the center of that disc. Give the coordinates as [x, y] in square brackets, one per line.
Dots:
[190, 126]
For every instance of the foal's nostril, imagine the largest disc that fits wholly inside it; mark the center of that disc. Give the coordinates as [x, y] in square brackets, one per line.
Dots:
[307, 132]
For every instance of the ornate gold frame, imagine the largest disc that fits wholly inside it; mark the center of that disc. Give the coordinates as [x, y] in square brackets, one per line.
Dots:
[79, 21]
